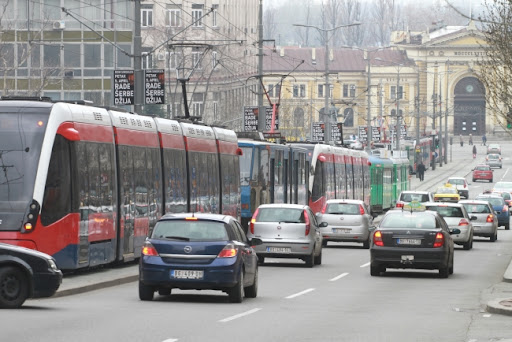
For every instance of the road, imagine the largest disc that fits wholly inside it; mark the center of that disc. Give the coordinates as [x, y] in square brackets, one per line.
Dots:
[337, 301]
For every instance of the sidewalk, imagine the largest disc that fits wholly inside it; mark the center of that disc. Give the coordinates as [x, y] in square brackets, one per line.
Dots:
[105, 277]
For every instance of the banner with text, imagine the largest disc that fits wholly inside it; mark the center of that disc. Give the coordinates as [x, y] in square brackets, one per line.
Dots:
[251, 119]
[154, 86]
[124, 87]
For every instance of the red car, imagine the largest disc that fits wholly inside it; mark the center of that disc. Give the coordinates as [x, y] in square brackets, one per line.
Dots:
[482, 172]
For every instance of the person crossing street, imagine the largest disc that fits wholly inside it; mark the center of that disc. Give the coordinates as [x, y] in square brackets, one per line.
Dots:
[421, 170]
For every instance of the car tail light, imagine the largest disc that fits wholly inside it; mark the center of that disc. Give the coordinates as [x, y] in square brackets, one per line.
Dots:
[306, 219]
[149, 250]
[463, 222]
[253, 220]
[439, 242]
[490, 218]
[399, 204]
[377, 238]
[361, 209]
[228, 252]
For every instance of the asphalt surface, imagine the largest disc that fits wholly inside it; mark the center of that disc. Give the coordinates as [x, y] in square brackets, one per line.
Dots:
[85, 281]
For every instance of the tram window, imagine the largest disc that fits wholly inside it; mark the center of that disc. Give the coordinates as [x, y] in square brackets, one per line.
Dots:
[318, 186]
[175, 181]
[57, 192]
[245, 166]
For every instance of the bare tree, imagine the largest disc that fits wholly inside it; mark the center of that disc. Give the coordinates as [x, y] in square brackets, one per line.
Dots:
[304, 32]
[343, 12]
[269, 23]
[496, 66]
[385, 15]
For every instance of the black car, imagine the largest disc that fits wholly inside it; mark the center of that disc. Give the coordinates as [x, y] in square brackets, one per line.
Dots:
[26, 273]
[412, 240]
[196, 252]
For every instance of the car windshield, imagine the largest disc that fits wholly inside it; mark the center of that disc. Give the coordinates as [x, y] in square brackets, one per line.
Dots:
[477, 208]
[407, 221]
[447, 211]
[446, 191]
[493, 200]
[343, 209]
[414, 197]
[291, 215]
[190, 230]
[456, 181]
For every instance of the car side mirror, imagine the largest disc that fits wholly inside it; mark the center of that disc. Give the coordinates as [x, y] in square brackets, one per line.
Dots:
[323, 224]
[255, 242]
[454, 231]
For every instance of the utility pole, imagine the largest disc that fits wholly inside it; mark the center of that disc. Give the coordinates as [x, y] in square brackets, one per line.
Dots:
[261, 110]
[446, 113]
[440, 135]
[369, 132]
[418, 110]
[397, 127]
[137, 61]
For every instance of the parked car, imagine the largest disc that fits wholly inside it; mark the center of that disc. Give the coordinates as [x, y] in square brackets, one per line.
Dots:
[345, 221]
[500, 207]
[486, 223]
[461, 184]
[447, 193]
[482, 172]
[197, 251]
[26, 273]
[503, 186]
[416, 196]
[493, 160]
[412, 239]
[287, 231]
[494, 148]
[456, 216]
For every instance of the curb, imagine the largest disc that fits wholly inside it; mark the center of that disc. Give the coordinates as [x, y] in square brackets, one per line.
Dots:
[96, 286]
[501, 306]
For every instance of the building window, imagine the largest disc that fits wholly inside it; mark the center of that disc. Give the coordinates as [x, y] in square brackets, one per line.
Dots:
[349, 90]
[214, 59]
[174, 60]
[197, 15]
[299, 90]
[196, 59]
[274, 90]
[147, 60]
[400, 92]
[174, 17]
[214, 15]
[146, 17]
[321, 90]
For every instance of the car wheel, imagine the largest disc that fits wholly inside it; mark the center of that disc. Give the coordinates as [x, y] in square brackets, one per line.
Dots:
[494, 237]
[467, 245]
[450, 269]
[444, 272]
[236, 293]
[375, 270]
[252, 291]
[164, 292]
[366, 244]
[146, 292]
[490, 180]
[324, 243]
[310, 259]
[261, 260]
[507, 226]
[474, 180]
[13, 287]
[318, 259]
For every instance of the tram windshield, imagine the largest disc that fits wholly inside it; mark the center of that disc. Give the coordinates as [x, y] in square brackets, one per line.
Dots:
[21, 137]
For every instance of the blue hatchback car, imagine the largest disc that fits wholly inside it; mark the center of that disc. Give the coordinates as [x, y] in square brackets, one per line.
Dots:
[196, 252]
[500, 207]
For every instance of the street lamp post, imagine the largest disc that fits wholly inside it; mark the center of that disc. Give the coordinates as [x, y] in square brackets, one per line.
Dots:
[327, 90]
[397, 127]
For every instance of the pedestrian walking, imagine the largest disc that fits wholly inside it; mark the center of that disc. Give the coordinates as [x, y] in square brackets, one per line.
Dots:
[461, 140]
[470, 139]
[484, 139]
[474, 151]
[421, 170]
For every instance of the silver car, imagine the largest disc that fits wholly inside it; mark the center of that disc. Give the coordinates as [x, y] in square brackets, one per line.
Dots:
[486, 223]
[456, 216]
[287, 231]
[493, 160]
[345, 221]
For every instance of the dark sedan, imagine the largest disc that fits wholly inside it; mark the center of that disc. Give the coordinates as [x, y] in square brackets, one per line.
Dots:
[26, 273]
[198, 252]
[412, 240]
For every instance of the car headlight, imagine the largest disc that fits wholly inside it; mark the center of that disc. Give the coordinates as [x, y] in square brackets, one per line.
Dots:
[52, 265]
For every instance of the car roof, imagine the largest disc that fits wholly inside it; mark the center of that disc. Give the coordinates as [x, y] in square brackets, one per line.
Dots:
[442, 204]
[204, 216]
[473, 201]
[464, 178]
[414, 192]
[352, 201]
[488, 196]
[284, 205]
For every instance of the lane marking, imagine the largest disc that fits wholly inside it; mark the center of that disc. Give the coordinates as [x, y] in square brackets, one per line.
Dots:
[339, 277]
[365, 265]
[239, 315]
[487, 315]
[503, 177]
[300, 293]
[171, 340]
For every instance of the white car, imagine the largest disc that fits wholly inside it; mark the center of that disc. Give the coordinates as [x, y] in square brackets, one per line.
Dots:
[456, 216]
[461, 184]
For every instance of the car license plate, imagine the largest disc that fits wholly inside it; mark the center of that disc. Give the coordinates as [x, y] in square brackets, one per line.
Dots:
[408, 241]
[407, 257]
[279, 250]
[341, 230]
[187, 274]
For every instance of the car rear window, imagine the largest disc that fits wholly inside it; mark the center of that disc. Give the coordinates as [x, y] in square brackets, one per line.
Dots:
[456, 181]
[414, 197]
[477, 208]
[281, 215]
[447, 211]
[493, 156]
[482, 168]
[409, 221]
[190, 230]
[446, 191]
[343, 209]
[493, 200]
